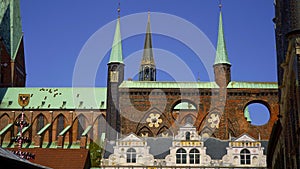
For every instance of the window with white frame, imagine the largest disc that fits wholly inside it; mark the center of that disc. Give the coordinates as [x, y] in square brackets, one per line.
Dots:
[245, 157]
[194, 156]
[181, 156]
[131, 155]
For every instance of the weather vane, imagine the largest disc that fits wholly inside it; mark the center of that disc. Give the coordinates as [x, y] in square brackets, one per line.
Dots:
[220, 4]
[119, 9]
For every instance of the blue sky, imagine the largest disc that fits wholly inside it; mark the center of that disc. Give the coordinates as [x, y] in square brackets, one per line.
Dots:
[61, 34]
[56, 31]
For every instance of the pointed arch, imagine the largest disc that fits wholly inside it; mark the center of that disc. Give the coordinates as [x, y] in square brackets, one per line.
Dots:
[38, 123]
[206, 132]
[59, 123]
[145, 131]
[205, 121]
[164, 131]
[143, 122]
[79, 125]
[100, 126]
[4, 120]
[189, 118]
[17, 119]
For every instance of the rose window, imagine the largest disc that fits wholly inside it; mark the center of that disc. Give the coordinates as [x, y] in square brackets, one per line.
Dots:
[214, 121]
[154, 120]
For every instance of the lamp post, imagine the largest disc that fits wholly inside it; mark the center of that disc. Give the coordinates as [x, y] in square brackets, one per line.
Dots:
[23, 101]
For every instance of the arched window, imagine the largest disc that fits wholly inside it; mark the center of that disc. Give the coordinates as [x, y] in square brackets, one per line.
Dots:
[187, 136]
[101, 126]
[40, 122]
[245, 157]
[147, 73]
[80, 126]
[60, 124]
[194, 156]
[181, 156]
[131, 155]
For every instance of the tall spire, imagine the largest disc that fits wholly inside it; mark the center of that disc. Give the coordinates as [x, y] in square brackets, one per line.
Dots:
[11, 26]
[147, 68]
[116, 55]
[221, 53]
[148, 58]
[222, 64]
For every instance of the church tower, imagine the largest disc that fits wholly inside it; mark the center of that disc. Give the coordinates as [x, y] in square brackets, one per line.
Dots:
[147, 68]
[114, 78]
[12, 63]
[222, 64]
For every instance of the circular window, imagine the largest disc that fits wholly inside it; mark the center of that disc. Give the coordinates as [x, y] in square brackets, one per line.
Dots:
[257, 114]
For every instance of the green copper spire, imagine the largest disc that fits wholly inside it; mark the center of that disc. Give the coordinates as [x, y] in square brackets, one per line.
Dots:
[10, 25]
[247, 114]
[116, 55]
[221, 53]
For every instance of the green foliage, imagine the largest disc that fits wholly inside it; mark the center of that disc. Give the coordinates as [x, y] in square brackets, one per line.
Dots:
[95, 153]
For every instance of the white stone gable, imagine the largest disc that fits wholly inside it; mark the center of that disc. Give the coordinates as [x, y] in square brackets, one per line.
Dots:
[131, 137]
[187, 132]
[245, 137]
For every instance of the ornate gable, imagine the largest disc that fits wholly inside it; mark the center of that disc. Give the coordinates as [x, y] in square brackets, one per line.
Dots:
[245, 137]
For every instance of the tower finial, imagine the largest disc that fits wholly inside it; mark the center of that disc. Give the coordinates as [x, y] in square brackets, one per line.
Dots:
[220, 4]
[119, 9]
[148, 16]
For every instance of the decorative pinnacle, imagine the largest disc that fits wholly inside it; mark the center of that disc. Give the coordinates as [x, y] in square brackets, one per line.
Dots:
[119, 9]
[148, 16]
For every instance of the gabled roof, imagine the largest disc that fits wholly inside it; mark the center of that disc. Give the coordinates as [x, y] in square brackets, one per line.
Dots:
[55, 98]
[61, 158]
[12, 161]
